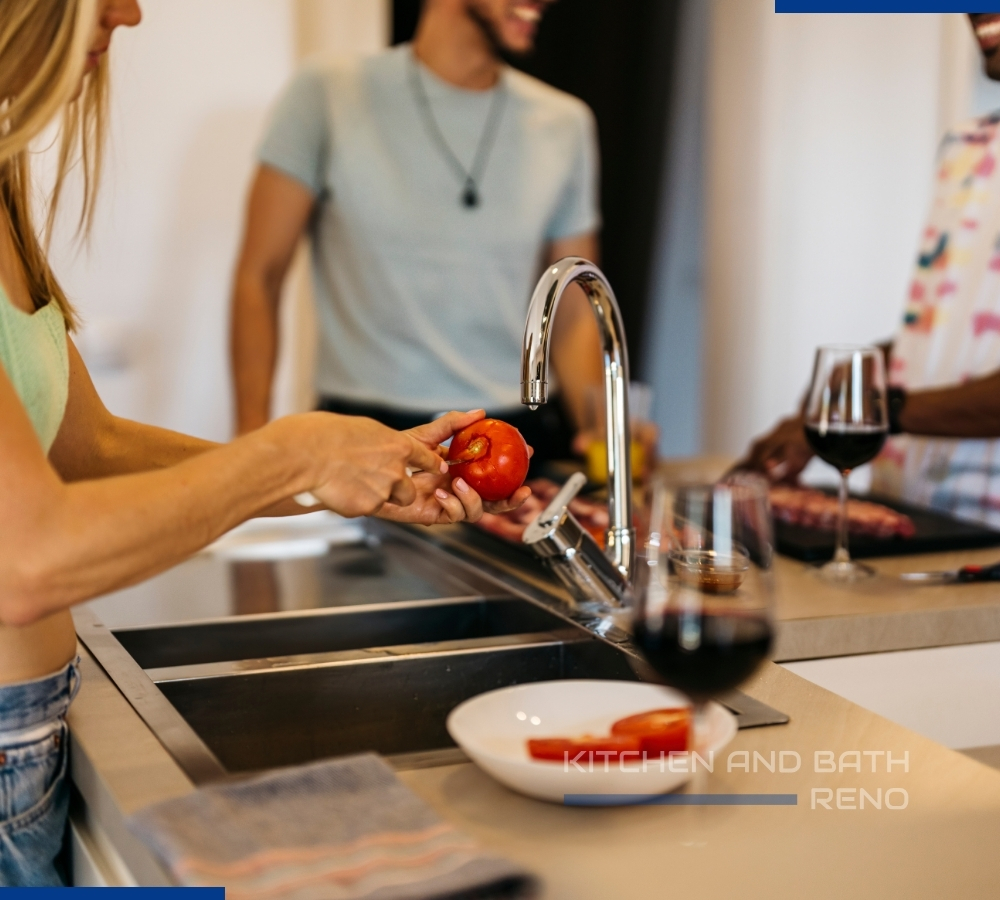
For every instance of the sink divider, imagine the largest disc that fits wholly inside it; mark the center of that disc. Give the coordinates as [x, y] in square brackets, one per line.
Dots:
[361, 656]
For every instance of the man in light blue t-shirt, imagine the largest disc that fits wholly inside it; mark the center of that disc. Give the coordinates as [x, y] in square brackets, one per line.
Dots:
[434, 183]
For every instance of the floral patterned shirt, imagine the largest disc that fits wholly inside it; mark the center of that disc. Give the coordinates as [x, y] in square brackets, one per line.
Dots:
[951, 328]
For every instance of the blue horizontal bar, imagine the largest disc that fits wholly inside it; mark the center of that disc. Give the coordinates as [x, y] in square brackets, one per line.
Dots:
[681, 799]
[885, 6]
[116, 893]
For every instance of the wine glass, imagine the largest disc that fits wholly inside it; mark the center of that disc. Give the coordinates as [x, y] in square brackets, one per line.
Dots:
[846, 424]
[704, 602]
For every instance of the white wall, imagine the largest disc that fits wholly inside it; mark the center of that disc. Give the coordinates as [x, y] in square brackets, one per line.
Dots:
[822, 131]
[191, 89]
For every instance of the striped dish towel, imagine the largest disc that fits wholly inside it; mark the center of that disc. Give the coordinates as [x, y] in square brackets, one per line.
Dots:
[344, 829]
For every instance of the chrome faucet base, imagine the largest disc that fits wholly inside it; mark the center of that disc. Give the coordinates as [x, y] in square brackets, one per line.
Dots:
[620, 544]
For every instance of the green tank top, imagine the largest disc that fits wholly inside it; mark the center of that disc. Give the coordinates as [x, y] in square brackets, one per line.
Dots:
[33, 353]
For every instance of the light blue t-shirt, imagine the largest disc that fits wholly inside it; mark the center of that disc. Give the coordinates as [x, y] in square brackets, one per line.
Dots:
[421, 301]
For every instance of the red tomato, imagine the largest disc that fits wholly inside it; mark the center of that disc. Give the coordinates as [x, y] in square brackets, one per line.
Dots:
[555, 749]
[495, 458]
[660, 730]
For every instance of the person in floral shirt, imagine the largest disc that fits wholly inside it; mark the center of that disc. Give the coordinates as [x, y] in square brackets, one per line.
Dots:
[944, 363]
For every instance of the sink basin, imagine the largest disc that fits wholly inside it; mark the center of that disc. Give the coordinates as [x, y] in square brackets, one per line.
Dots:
[275, 717]
[270, 684]
[341, 629]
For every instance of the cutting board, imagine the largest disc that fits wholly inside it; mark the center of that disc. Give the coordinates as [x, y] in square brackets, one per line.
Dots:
[936, 533]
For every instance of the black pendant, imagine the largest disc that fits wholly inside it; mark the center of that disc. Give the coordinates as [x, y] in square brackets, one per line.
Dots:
[470, 196]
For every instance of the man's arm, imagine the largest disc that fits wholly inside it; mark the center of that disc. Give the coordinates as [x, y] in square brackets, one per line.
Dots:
[576, 342]
[278, 210]
[969, 410]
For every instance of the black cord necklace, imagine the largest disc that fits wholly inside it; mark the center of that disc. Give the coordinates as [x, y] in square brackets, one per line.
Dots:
[469, 178]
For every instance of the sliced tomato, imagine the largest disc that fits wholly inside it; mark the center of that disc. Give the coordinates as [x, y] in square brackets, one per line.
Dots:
[659, 731]
[556, 749]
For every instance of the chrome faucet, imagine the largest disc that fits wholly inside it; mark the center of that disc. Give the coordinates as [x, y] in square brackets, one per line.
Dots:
[534, 392]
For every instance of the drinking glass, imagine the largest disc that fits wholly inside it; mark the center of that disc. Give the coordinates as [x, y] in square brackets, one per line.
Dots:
[703, 616]
[846, 423]
[640, 408]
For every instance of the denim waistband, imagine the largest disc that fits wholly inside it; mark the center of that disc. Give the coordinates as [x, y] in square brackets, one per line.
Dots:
[29, 703]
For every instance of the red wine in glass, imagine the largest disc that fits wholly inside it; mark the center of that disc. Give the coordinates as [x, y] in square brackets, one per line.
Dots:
[846, 423]
[703, 614]
[705, 653]
[846, 447]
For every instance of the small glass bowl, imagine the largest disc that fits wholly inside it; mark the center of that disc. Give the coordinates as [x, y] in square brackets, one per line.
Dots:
[711, 572]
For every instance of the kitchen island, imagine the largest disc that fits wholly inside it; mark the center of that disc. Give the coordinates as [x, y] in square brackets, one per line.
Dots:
[932, 832]
[941, 843]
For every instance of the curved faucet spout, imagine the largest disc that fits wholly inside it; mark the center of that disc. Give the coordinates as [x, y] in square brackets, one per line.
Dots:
[534, 384]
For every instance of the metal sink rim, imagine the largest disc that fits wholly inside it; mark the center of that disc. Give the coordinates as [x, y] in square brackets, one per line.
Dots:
[321, 612]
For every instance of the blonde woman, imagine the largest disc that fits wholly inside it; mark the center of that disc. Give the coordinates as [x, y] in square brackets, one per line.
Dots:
[91, 502]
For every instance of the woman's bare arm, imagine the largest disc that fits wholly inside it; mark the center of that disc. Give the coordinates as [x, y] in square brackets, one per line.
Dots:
[63, 543]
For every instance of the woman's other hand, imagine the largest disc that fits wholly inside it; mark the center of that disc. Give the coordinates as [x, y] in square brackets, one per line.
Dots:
[439, 499]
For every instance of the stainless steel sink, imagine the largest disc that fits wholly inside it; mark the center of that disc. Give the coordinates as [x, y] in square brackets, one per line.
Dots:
[280, 716]
[254, 690]
[341, 629]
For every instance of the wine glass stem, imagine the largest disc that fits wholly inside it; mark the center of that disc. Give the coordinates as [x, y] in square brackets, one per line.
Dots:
[840, 554]
[699, 744]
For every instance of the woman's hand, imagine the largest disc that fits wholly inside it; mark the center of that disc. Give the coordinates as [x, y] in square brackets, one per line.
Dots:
[356, 465]
[435, 504]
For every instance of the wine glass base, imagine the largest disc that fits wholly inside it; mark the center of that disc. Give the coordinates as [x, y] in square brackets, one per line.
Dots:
[844, 572]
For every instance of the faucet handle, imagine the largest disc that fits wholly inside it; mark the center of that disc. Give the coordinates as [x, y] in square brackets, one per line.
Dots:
[558, 504]
[575, 556]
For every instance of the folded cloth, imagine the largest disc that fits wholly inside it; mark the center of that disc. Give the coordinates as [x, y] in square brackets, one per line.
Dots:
[345, 828]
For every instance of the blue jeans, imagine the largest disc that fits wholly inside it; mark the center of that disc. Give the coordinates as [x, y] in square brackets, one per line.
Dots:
[34, 789]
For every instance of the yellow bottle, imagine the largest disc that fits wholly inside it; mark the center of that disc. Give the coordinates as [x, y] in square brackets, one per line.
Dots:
[597, 461]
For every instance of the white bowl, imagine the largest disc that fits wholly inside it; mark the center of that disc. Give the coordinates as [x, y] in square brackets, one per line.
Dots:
[493, 729]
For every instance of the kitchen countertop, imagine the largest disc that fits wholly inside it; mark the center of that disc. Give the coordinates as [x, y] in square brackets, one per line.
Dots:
[942, 844]
[882, 614]
[818, 620]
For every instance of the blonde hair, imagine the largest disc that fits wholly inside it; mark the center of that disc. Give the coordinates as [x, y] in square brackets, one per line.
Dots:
[43, 52]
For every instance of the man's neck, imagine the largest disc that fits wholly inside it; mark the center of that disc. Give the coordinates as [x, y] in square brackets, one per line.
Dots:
[454, 47]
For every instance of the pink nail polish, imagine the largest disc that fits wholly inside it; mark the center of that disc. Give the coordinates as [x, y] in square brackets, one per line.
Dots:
[460, 485]
[440, 494]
